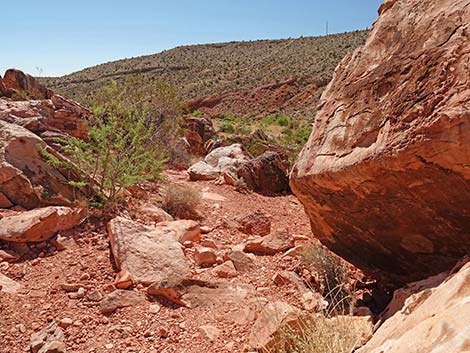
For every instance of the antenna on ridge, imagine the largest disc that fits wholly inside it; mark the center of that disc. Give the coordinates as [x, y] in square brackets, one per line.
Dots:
[326, 27]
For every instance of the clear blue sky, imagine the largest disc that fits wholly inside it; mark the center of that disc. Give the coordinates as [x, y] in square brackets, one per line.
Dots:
[67, 35]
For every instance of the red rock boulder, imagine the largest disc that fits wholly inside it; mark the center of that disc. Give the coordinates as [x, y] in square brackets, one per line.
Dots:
[26, 179]
[17, 81]
[385, 175]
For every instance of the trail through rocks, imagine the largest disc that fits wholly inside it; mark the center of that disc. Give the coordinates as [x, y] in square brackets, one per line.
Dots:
[225, 298]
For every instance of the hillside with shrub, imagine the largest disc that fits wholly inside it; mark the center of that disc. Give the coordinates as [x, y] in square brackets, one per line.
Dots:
[213, 69]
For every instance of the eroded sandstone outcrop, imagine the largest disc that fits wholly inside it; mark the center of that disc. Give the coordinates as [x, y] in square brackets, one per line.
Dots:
[26, 179]
[21, 84]
[385, 175]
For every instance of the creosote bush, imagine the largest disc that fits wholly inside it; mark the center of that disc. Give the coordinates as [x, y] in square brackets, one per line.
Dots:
[180, 200]
[127, 139]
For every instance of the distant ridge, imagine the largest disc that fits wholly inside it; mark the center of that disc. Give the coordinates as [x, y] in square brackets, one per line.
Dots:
[209, 69]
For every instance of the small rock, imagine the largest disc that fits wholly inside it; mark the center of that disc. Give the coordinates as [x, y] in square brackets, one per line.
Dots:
[205, 257]
[209, 243]
[278, 241]
[294, 252]
[211, 332]
[241, 261]
[256, 223]
[123, 279]
[65, 322]
[81, 293]
[109, 346]
[206, 229]
[120, 299]
[94, 295]
[48, 340]
[154, 308]
[8, 256]
[313, 302]
[225, 270]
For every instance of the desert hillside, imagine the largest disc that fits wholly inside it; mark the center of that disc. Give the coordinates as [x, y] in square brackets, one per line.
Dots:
[212, 69]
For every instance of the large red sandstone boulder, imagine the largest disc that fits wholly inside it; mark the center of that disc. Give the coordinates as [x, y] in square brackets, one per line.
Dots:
[266, 174]
[17, 81]
[26, 179]
[199, 131]
[385, 175]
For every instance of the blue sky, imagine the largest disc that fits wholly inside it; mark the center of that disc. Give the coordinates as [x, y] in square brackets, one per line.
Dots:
[60, 37]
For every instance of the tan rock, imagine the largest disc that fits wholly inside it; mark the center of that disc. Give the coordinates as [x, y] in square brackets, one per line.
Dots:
[154, 213]
[8, 285]
[426, 317]
[313, 301]
[278, 241]
[289, 277]
[211, 332]
[49, 340]
[384, 176]
[39, 224]
[205, 257]
[149, 253]
[241, 261]
[120, 299]
[123, 279]
[182, 230]
[268, 328]
[217, 162]
[225, 270]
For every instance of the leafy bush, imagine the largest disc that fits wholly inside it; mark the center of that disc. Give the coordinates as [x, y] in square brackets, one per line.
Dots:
[181, 201]
[279, 120]
[126, 139]
[197, 113]
[227, 128]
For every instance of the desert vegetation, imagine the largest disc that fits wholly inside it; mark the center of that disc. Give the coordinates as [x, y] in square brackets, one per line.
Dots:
[129, 136]
[202, 70]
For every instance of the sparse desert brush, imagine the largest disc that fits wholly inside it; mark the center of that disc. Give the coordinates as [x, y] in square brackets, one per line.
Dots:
[127, 139]
[318, 333]
[180, 200]
[333, 276]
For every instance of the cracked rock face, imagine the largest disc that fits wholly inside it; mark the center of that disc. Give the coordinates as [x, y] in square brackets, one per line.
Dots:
[385, 175]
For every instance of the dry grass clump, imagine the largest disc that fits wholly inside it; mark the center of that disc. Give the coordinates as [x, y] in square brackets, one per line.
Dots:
[181, 201]
[332, 275]
[320, 334]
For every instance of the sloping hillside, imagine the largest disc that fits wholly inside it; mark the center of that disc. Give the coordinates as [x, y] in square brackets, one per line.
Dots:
[206, 70]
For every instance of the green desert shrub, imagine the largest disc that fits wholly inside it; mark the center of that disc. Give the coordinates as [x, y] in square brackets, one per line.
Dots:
[127, 139]
[227, 128]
